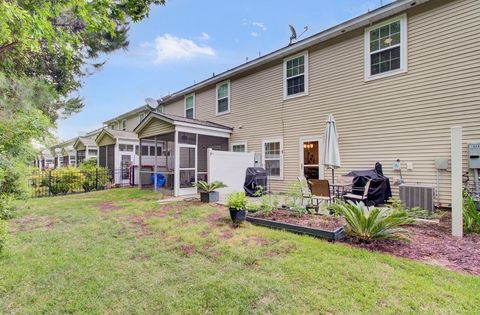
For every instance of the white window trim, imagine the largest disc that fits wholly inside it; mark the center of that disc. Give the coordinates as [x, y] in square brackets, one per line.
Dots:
[141, 116]
[281, 157]
[244, 143]
[121, 125]
[285, 96]
[185, 104]
[403, 48]
[160, 108]
[216, 98]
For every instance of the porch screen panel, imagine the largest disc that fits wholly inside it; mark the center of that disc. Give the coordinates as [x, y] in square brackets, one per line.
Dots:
[111, 157]
[102, 157]
[80, 156]
[209, 142]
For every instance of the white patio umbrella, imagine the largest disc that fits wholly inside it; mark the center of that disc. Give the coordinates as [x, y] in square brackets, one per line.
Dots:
[331, 152]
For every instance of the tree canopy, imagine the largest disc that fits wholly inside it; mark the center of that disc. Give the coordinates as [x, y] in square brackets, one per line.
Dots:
[47, 47]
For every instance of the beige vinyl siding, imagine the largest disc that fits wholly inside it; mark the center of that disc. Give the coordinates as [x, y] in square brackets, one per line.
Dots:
[406, 116]
[80, 146]
[176, 108]
[106, 140]
[156, 127]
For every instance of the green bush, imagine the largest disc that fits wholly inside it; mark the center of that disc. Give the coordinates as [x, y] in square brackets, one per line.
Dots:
[209, 187]
[237, 200]
[7, 206]
[374, 223]
[416, 213]
[3, 234]
[471, 216]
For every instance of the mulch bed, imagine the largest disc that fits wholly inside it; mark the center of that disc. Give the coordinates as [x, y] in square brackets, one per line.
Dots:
[432, 243]
[324, 222]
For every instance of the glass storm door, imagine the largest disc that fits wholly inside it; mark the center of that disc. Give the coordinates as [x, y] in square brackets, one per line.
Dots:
[310, 150]
[187, 169]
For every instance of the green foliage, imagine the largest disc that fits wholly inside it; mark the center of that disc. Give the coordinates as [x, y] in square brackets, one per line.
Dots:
[7, 206]
[90, 165]
[471, 216]
[268, 203]
[3, 234]
[209, 187]
[374, 223]
[417, 213]
[294, 195]
[237, 200]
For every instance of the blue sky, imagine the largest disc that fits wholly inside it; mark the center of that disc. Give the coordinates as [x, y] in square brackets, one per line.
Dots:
[186, 41]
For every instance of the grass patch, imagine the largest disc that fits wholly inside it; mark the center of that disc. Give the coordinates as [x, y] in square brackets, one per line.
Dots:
[119, 251]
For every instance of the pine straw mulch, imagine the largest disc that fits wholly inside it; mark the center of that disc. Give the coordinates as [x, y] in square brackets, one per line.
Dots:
[433, 243]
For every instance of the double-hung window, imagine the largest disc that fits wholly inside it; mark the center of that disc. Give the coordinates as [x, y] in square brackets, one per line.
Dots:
[223, 98]
[386, 48]
[296, 75]
[124, 125]
[112, 126]
[272, 152]
[190, 106]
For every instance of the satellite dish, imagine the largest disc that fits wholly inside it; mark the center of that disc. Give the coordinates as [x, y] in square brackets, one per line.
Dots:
[293, 35]
[293, 32]
[151, 102]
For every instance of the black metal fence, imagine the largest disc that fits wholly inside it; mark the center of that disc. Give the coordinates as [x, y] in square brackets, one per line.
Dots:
[64, 181]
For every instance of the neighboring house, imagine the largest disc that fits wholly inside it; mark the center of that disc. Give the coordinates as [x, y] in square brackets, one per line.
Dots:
[86, 148]
[396, 79]
[44, 160]
[128, 121]
[119, 146]
[64, 154]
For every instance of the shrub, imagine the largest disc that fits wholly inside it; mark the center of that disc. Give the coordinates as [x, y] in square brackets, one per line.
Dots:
[209, 187]
[268, 203]
[7, 206]
[374, 223]
[418, 213]
[3, 234]
[294, 195]
[237, 200]
[471, 216]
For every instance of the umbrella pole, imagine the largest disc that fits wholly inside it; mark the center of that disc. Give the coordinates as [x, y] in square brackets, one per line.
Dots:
[333, 176]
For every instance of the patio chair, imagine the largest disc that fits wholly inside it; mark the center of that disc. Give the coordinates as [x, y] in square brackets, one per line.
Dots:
[320, 189]
[357, 198]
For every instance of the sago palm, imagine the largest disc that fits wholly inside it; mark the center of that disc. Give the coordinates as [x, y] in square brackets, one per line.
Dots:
[374, 223]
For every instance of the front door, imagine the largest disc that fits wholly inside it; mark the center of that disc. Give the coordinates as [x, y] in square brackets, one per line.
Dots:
[187, 169]
[310, 158]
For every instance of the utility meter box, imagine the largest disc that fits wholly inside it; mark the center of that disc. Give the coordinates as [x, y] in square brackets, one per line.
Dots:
[473, 152]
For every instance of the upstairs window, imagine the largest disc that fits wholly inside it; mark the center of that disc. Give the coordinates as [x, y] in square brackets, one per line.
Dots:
[124, 125]
[112, 126]
[386, 49]
[160, 108]
[190, 106]
[223, 98]
[296, 75]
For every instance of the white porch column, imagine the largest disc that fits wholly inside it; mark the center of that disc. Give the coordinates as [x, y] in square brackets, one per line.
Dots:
[456, 165]
[155, 166]
[176, 172]
[139, 164]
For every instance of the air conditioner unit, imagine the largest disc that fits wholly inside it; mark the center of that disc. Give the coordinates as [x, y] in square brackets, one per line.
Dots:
[421, 196]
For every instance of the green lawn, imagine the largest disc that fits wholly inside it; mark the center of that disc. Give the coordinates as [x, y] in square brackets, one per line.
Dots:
[119, 251]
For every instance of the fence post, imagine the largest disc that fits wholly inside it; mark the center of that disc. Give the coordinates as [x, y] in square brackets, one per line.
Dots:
[96, 178]
[49, 183]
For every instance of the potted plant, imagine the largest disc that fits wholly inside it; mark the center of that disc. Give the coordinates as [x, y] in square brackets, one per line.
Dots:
[207, 190]
[237, 204]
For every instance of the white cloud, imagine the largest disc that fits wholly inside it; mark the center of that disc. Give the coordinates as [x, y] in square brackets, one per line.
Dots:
[254, 34]
[204, 36]
[260, 24]
[169, 47]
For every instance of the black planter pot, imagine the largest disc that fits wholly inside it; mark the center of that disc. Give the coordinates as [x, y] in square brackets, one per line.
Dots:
[312, 209]
[212, 196]
[238, 215]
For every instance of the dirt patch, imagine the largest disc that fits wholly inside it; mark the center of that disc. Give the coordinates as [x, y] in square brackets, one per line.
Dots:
[107, 206]
[282, 249]
[328, 223]
[141, 219]
[432, 243]
[188, 250]
[226, 234]
[31, 223]
[259, 241]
